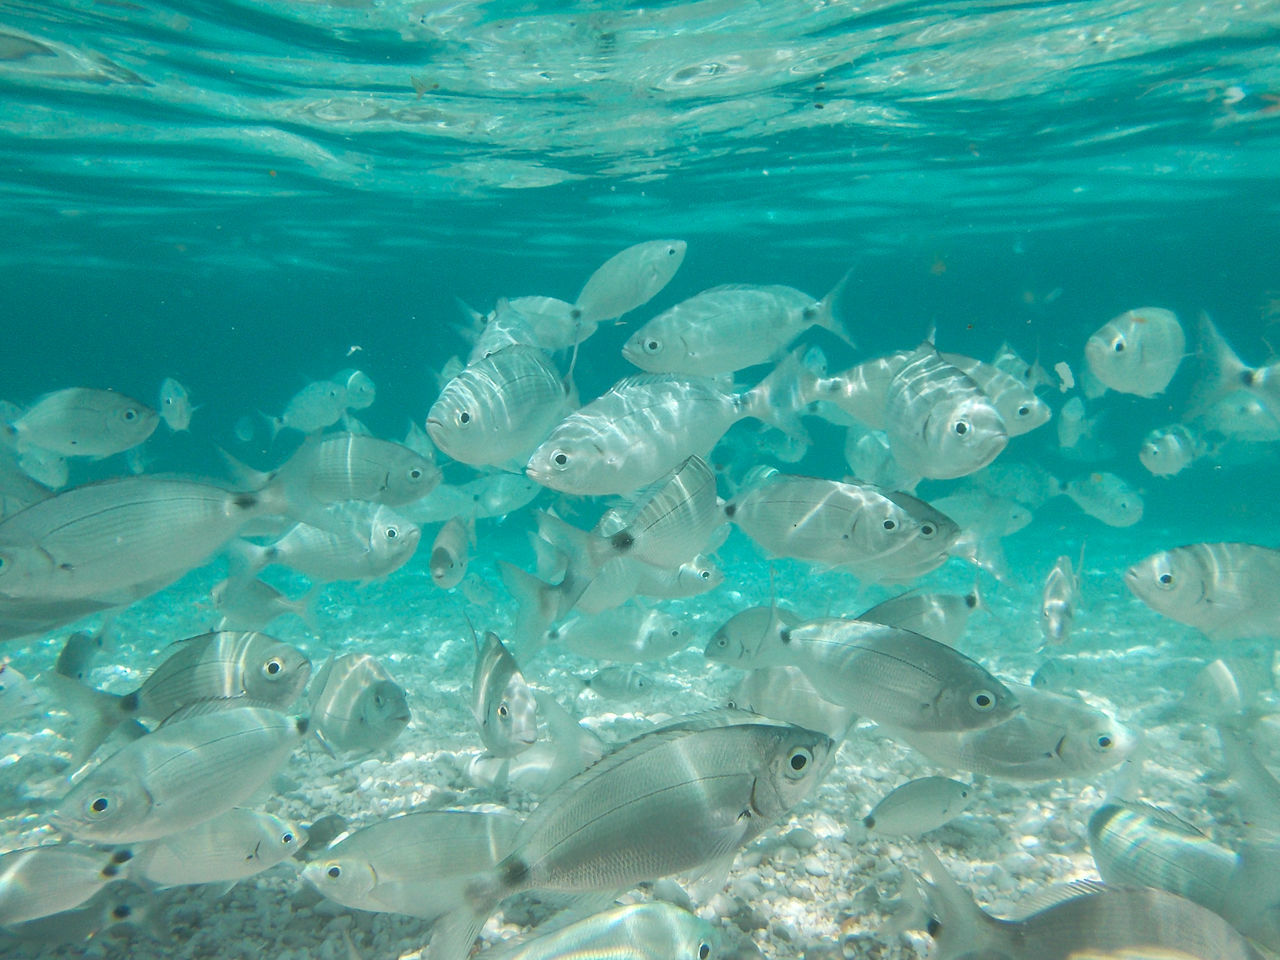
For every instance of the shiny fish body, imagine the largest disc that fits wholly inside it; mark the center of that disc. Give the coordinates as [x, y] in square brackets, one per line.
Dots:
[1050, 737]
[495, 495]
[188, 771]
[84, 422]
[359, 388]
[117, 539]
[918, 806]
[1016, 402]
[411, 864]
[40, 881]
[1225, 590]
[1169, 450]
[334, 467]
[750, 638]
[938, 616]
[727, 328]
[497, 410]
[175, 405]
[1058, 602]
[628, 634]
[247, 603]
[360, 541]
[628, 279]
[1106, 497]
[451, 552]
[230, 847]
[636, 931]
[356, 705]
[940, 424]
[788, 695]
[502, 702]
[542, 322]
[620, 683]
[896, 677]
[669, 523]
[861, 391]
[1137, 352]
[317, 405]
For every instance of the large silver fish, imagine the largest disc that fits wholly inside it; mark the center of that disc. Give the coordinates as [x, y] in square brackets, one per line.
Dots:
[189, 771]
[333, 467]
[676, 799]
[628, 279]
[495, 411]
[1137, 352]
[1225, 590]
[503, 704]
[356, 705]
[230, 847]
[83, 422]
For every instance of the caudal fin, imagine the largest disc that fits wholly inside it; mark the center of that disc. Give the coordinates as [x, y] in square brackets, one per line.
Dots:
[829, 310]
[1221, 372]
[780, 397]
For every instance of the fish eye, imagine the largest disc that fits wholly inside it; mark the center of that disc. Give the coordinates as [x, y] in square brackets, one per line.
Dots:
[464, 417]
[675, 632]
[798, 761]
[274, 666]
[392, 532]
[1118, 346]
[933, 927]
[982, 700]
[1105, 742]
[122, 911]
[705, 574]
[1023, 410]
[415, 474]
[704, 951]
[927, 530]
[652, 346]
[890, 525]
[334, 872]
[130, 414]
[961, 427]
[1165, 580]
[99, 805]
[287, 838]
[379, 701]
[560, 458]
[722, 642]
[503, 711]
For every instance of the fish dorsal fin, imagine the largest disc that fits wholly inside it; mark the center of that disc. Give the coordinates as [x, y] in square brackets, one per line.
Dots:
[1167, 819]
[1058, 893]
[648, 379]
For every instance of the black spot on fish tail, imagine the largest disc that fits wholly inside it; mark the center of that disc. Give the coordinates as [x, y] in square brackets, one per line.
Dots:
[514, 872]
[784, 635]
[302, 724]
[730, 509]
[246, 501]
[129, 702]
[622, 541]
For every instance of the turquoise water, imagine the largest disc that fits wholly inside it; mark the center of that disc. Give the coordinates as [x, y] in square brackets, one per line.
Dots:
[248, 196]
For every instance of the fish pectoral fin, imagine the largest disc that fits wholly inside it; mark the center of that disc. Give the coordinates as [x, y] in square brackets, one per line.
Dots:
[711, 879]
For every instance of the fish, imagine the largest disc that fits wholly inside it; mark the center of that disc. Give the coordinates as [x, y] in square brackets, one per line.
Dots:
[1224, 590]
[83, 422]
[1087, 920]
[627, 280]
[655, 930]
[356, 705]
[1011, 362]
[1051, 736]
[358, 541]
[567, 749]
[730, 328]
[230, 847]
[1029, 483]
[18, 696]
[676, 799]
[497, 410]
[248, 603]
[747, 639]
[893, 676]
[188, 771]
[318, 405]
[174, 405]
[18, 489]
[41, 881]
[1137, 352]
[645, 426]
[495, 495]
[875, 534]
[334, 467]
[543, 322]
[983, 515]
[501, 701]
[938, 616]
[788, 695]
[1074, 423]
[412, 863]
[1169, 450]
[1106, 497]
[629, 634]
[451, 552]
[939, 422]
[620, 683]
[1016, 401]
[1226, 689]
[861, 391]
[116, 912]
[358, 386]
[1058, 602]
[918, 806]
[869, 456]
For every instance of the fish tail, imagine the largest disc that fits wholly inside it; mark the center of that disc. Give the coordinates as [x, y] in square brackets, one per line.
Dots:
[96, 712]
[537, 601]
[248, 558]
[1222, 370]
[828, 307]
[454, 934]
[780, 397]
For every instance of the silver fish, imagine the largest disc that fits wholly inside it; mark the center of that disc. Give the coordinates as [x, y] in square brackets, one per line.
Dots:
[356, 705]
[40, 881]
[918, 806]
[247, 603]
[620, 683]
[1226, 689]
[1058, 601]
[317, 405]
[645, 426]
[542, 322]
[451, 552]
[787, 694]
[501, 701]
[495, 495]
[636, 931]
[1225, 590]
[497, 410]
[1169, 450]
[83, 422]
[333, 467]
[359, 388]
[1106, 497]
[175, 405]
[869, 456]
[861, 391]
[1137, 352]
[411, 864]
[982, 514]
[895, 677]
[1096, 921]
[230, 847]
[938, 616]
[748, 638]
[1016, 402]
[940, 424]
[76, 658]
[188, 771]
[672, 800]
[729, 328]
[628, 279]
[629, 633]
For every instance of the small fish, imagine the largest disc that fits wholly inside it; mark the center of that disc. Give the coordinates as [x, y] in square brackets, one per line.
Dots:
[938, 616]
[628, 279]
[542, 322]
[451, 552]
[747, 639]
[869, 456]
[77, 655]
[1011, 362]
[317, 405]
[629, 633]
[247, 603]
[1091, 921]
[230, 847]
[1026, 482]
[729, 328]
[1137, 352]
[334, 467]
[620, 683]
[1073, 423]
[40, 881]
[189, 771]
[175, 405]
[1238, 415]
[83, 422]
[983, 515]
[495, 495]
[1106, 497]
[1225, 689]
[1225, 590]
[636, 931]
[18, 695]
[356, 705]
[1169, 450]
[918, 806]
[861, 391]
[359, 387]
[411, 864]
[1058, 602]
[502, 702]
[116, 912]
